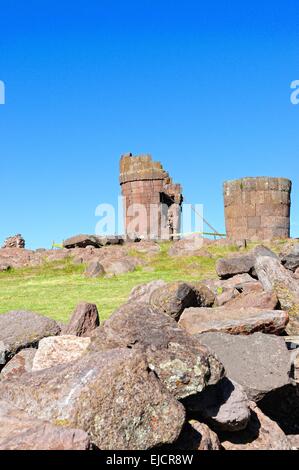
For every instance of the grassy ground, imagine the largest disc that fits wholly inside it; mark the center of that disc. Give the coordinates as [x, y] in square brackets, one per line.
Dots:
[54, 289]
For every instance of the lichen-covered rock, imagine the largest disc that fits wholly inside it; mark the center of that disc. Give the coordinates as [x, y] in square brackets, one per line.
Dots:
[19, 364]
[112, 396]
[22, 329]
[235, 321]
[179, 361]
[83, 321]
[19, 431]
[261, 434]
[173, 298]
[56, 350]
[237, 264]
[223, 406]
[259, 363]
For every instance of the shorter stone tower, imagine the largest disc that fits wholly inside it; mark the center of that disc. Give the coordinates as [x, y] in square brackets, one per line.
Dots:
[257, 208]
[152, 202]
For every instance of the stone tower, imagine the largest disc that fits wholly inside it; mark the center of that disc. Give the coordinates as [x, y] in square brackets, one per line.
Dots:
[257, 208]
[152, 202]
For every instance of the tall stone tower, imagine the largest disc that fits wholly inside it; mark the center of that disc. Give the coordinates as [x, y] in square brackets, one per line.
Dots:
[152, 202]
[257, 208]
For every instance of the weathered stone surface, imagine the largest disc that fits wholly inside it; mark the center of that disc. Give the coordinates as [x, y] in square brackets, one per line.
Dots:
[83, 321]
[225, 296]
[4, 267]
[296, 274]
[17, 241]
[19, 431]
[238, 264]
[173, 298]
[236, 321]
[94, 269]
[197, 436]
[240, 281]
[293, 441]
[19, 364]
[223, 406]
[110, 395]
[20, 330]
[143, 292]
[262, 300]
[56, 350]
[260, 434]
[81, 241]
[189, 246]
[291, 262]
[205, 296]
[259, 363]
[179, 361]
[274, 276]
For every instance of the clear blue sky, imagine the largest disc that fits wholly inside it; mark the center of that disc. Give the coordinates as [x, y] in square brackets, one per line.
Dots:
[202, 86]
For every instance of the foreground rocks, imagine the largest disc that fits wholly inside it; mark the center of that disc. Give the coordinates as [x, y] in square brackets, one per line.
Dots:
[261, 434]
[22, 329]
[173, 298]
[259, 363]
[19, 431]
[19, 364]
[197, 436]
[111, 395]
[182, 364]
[236, 321]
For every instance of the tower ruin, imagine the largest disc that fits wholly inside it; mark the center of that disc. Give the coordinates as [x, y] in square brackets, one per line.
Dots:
[257, 208]
[152, 202]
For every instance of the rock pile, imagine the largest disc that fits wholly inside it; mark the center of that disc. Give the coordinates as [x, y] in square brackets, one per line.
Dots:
[188, 366]
[17, 241]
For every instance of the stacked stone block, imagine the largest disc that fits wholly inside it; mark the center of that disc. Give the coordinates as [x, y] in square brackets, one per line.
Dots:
[257, 208]
[145, 183]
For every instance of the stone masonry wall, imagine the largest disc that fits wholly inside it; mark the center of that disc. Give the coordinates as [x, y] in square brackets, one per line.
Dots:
[257, 208]
[145, 185]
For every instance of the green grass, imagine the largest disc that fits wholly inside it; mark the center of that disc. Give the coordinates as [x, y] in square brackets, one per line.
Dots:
[54, 289]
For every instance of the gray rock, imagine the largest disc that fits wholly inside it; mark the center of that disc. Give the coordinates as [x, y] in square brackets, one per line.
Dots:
[238, 264]
[291, 262]
[22, 329]
[178, 360]
[19, 431]
[84, 320]
[197, 436]
[224, 406]
[173, 298]
[112, 396]
[259, 363]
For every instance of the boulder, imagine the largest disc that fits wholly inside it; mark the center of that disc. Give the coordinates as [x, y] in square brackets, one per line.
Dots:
[81, 241]
[112, 396]
[173, 298]
[19, 364]
[236, 321]
[262, 300]
[94, 269]
[259, 363]
[296, 274]
[119, 266]
[83, 321]
[224, 406]
[189, 246]
[205, 296]
[143, 292]
[240, 281]
[197, 436]
[238, 264]
[178, 360]
[22, 329]
[4, 267]
[274, 277]
[19, 431]
[261, 434]
[56, 350]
